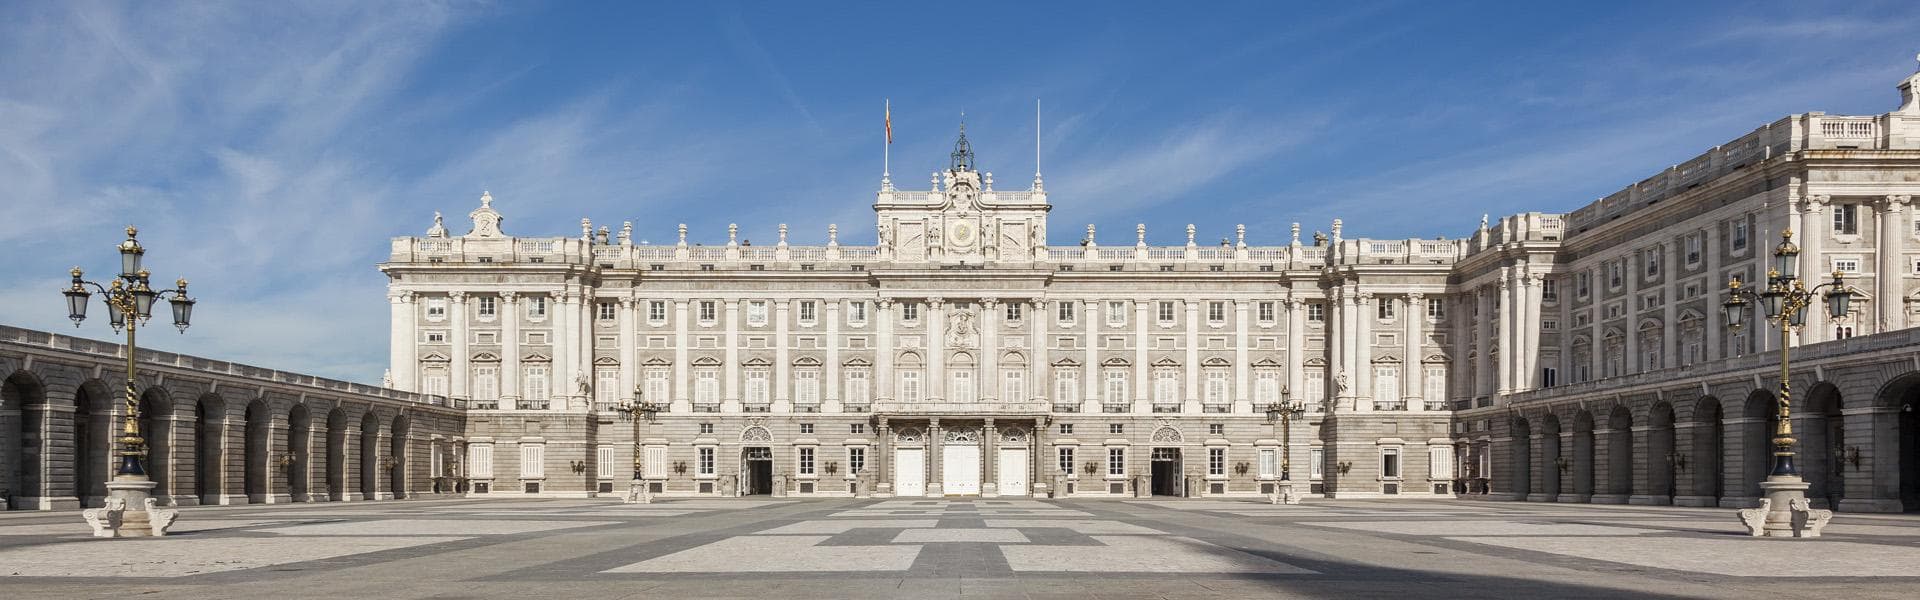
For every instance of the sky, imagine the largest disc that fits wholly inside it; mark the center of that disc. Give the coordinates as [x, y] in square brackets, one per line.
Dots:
[269, 152]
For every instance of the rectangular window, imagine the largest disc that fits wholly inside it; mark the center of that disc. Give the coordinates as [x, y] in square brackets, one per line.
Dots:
[1216, 312]
[1739, 235]
[1550, 290]
[1651, 257]
[533, 458]
[856, 459]
[708, 312]
[1692, 248]
[1316, 312]
[535, 381]
[436, 309]
[1064, 311]
[756, 391]
[1384, 309]
[857, 428]
[537, 307]
[1269, 463]
[706, 428]
[603, 467]
[1390, 463]
[1264, 311]
[1013, 386]
[1216, 387]
[1216, 461]
[1616, 273]
[1436, 384]
[1065, 387]
[1116, 461]
[1216, 429]
[1436, 309]
[806, 387]
[1066, 460]
[657, 311]
[857, 391]
[961, 389]
[1116, 428]
[1266, 388]
[480, 460]
[656, 462]
[657, 387]
[604, 311]
[1116, 314]
[488, 308]
[706, 386]
[436, 337]
[606, 386]
[1014, 312]
[809, 312]
[1116, 386]
[1439, 463]
[909, 386]
[486, 383]
[857, 312]
[756, 313]
[1166, 386]
[1316, 463]
[1847, 265]
[1582, 284]
[909, 312]
[1316, 382]
[705, 461]
[1166, 312]
[1846, 219]
[806, 460]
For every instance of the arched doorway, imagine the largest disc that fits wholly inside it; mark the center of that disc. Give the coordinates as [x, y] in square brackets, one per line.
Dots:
[156, 425]
[19, 464]
[1904, 393]
[337, 455]
[1522, 456]
[397, 470]
[209, 415]
[1552, 462]
[92, 443]
[1663, 457]
[299, 423]
[1583, 455]
[369, 457]
[1756, 442]
[1822, 438]
[1708, 453]
[1620, 453]
[254, 478]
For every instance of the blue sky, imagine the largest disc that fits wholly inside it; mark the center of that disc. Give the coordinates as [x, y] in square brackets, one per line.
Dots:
[269, 153]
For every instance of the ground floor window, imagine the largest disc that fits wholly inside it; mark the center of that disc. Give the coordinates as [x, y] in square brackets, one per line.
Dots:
[1116, 461]
[1267, 462]
[806, 461]
[705, 461]
[1216, 461]
[856, 460]
[1066, 460]
[1390, 463]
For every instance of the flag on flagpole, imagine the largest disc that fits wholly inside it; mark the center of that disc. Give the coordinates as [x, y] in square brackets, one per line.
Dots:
[889, 122]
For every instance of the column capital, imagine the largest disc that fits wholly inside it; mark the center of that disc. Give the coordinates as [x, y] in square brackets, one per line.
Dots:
[627, 302]
[781, 304]
[458, 296]
[990, 302]
[935, 302]
[1817, 202]
[884, 303]
[1897, 202]
[1363, 297]
[1416, 296]
[509, 297]
[400, 297]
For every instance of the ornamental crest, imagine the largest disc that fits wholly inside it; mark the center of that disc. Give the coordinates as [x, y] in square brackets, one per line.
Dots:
[909, 435]
[1013, 435]
[1168, 435]
[961, 331]
[756, 433]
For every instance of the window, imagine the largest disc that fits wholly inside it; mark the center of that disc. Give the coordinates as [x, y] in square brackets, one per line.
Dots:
[1436, 309]
[857, 312]
[1066, 429]
[1014, 312]
[1216, 312]
[1550, 290]
[434, 382]
[486, 383]
[1435, 387]
[1216, 461]
[1316, 463]
[1116, 428]
[706, 428]
[1582, 284]
[1166, 386]
[1316, 383]
[1651, 257]
[1013, 386]
[706, 386]
[809, 312]
[1165, 311]
[1692, 249]
[533, 458]
[1616, 273]
[657, 311]
[705, 461]
[436, 309]
[480, 460]
[1264, 312]
[537, 307]
[756, 391]
[1390, 463]
[1739, 235]
[1386, 382]
[535, 380]
[1216, 386]
[1269, 463]
[1439, 463]
[1846, 265]
[806, 460]
[657, 386]
[909, 312]
[603, 310]
[488, 307]
[604, 466]
[656, 462]
[707, 313]
[1316, 312]
[1066, 460]
[1065, 310]
[856, 460]
[757, 313]
[1066, 386]
[1116, 461]
[857, 391]
[1846, 219]
[806, 387]
[606, 385]
[961, 389]
[1266, 388]
[1116, 386]
[437, 337]
[1216, 429]
[1549, 376]
[909, 386]
[1116, 314]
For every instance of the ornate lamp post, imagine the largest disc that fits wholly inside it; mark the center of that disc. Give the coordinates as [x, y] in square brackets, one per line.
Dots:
[130, 510]
[1784, 302]
[640, 409]
[1284, 412]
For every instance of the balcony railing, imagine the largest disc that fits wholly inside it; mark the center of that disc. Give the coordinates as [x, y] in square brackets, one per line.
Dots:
[1066, 407]
[1217, 408]
[1170, 407]
[1114, 408]
[526, 404]
[706, 408]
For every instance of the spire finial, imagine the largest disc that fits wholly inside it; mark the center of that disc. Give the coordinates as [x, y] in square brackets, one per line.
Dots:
[962, 157]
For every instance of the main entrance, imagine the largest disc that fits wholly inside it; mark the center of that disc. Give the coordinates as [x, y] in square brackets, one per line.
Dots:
[1166, 472]
[910, 472]
[756, 471]
[1013, 471]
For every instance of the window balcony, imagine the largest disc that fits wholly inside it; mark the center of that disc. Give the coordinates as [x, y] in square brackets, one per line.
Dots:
[1170, 407]
[526, 404]
[1116, 407]
[491, 404]
[1066, 407]
[706, 408]
[1217, 408]
[757, 408]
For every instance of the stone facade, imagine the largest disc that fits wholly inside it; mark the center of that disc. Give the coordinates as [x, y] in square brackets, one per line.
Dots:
[960, 353]
[218, 432]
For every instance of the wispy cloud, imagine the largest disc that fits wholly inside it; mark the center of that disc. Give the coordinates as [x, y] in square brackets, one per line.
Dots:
[1104, 180]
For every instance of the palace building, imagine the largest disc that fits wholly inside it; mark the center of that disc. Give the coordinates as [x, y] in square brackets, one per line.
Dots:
[964, 352]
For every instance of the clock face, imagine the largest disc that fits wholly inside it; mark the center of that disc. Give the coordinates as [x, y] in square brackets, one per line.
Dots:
[961, 233]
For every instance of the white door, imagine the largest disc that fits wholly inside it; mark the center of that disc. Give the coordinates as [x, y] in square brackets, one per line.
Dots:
[910, 472]
[961, 466]
[1013, 471]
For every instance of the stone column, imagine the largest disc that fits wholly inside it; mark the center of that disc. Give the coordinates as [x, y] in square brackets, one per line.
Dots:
[1503, 373]
[989, 459]
[1037, 355]
[1090, 385]
[560, 382]
[1484, 376]
[1813, 263]
[989, 363]
[1414, 371]
[883, 353]
[1190, 367]
[1241, 395]
[730, 373]
[1534, 291]
[883, 460]
[628, 351]
[403, 359]
[1891, 288]
[936, 346]
[781, 382]
[682, 378]
[457, 314]
[509, 350]
[1363, 352]
[832, 395]
[936, 467]
[1296, 349]
[1716, 292]
[1142, 400]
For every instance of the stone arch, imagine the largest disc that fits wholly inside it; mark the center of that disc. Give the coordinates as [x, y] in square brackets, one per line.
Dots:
[1551, 457]
[1821, 434]
[156, 425]
[1708, 453]
[210, 430]
[369, 456]
[1166, 434]
[92, 442]
[337, 454]
[1899, 475]
[20, 469]
[397, 470]
[1620, 452]
[1583, 458]
[1662, 456]
[1756, 443]
[256, 444]
[1521, 454]
[299, 442]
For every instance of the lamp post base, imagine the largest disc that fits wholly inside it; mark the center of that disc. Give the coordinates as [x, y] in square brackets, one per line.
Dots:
[131, 510]
[1784, 511]
[1284, 494]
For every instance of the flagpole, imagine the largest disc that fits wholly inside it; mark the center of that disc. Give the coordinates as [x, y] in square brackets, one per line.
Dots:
[886, 152]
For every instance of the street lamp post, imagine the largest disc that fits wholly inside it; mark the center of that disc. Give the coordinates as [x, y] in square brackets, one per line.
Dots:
[640, 409]
[131, 510]
[1784, 512]
[1284, 412]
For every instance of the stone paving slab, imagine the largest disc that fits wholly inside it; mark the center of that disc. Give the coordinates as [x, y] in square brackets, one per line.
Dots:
[1086, 526]
[183, 556]
[1146, 555]
[1457, 528]
[432, 527]
[836, 527]
[777, 553]
[994, 536]
[1737, 556]
[80, 529]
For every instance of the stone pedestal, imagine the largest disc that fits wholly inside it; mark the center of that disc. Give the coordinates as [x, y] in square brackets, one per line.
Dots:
[1784, 512]
[131, 511]
[638, 492]
[1283, 493]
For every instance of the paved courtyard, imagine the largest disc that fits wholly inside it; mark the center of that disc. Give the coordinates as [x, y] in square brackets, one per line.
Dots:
[770, 548]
